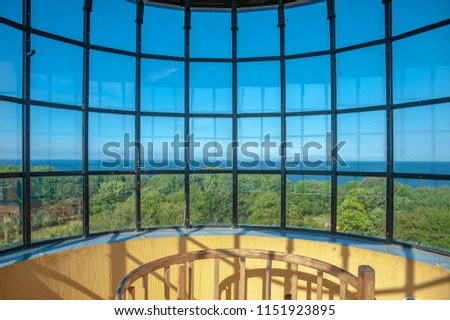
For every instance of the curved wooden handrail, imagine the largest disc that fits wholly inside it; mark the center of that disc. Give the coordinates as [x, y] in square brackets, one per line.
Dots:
[364, 288]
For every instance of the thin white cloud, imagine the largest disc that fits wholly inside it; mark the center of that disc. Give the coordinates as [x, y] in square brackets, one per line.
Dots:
[158, 75]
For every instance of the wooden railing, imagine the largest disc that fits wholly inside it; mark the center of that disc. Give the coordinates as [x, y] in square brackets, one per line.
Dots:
[364, 284]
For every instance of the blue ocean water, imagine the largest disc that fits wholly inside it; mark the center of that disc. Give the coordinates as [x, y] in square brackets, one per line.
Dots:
[416, 167]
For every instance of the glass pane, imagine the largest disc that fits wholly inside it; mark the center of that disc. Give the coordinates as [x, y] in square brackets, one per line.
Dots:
[308, 84]
[361, 77]
[422, 213]
[259, 199]
[10, 137]
[307, 142]
[358, 21]
[56, 139]
[259, 143]
[52, 78]
[211, 90]
[210, 34]
[211, 143]
[11, 9]
[258, 33]
[422, 139]
[211, 199]
[362, 206]
[362, 141]
[163, 31]
[308, 203]
[56, 207]
[422, 66]
[413, 14]
[113, 24]
[162, 200]
[112, 203]
[64, 18]
[307, 28]
[259, 86]
[11, 212]
[163, 143]
[111, 142]
[112, 87]
[162, 86]
[10, 62]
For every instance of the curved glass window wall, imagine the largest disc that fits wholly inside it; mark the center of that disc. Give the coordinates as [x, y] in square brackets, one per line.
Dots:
[324, 116]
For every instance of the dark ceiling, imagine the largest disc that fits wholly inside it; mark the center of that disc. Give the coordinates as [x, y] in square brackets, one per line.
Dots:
[227, 3]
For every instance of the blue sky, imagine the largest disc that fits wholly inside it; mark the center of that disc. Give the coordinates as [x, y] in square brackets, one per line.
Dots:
[421, 71]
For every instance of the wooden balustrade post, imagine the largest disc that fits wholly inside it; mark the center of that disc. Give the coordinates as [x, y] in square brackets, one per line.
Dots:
[131, 293]
[145, 286]
[366, 283]
[242, 279]
[216, 279]
[294, 281]
[167, 282]
[191, 280]
[268, 295]
[182, 281]
[319, 285]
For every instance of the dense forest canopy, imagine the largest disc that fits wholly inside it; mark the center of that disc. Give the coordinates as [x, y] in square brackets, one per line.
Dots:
[421, 215]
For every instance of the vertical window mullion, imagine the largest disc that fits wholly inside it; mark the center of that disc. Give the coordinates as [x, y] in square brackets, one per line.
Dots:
[138, 146]
[26, 80]
[234, 30]
[282, 26]
[85, 108]
[332, 154]
[389, 124]
[187, 28]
